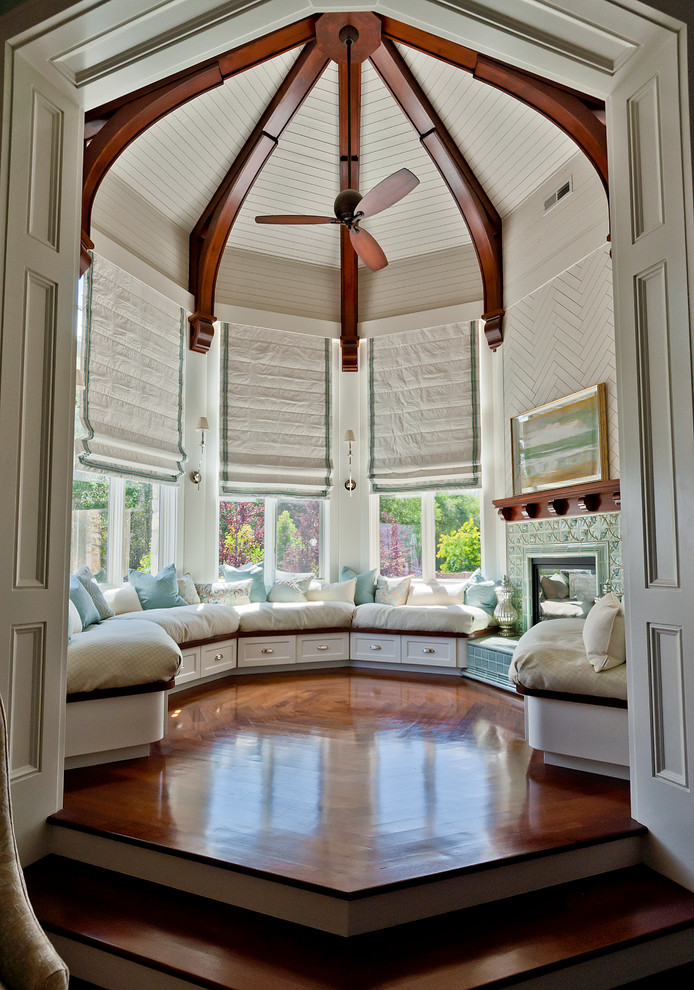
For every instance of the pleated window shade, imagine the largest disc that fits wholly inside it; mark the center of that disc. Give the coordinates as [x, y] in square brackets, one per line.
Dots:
[275, 413]
[424, 409]
[132, 403]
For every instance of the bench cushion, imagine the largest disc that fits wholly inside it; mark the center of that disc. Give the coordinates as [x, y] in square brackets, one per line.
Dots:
[120, 654]
[463, 619]
[290, 616]
[187, 623]
[551, 656]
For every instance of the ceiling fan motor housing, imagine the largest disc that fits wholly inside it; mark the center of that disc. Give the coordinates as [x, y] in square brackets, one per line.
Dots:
[346, 204]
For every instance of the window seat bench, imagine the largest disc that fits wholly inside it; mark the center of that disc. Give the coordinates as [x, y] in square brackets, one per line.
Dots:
[575, 715]
[120, 670]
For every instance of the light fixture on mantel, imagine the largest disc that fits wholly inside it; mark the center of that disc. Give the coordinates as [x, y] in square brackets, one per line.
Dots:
[350, 484]
[202, 427]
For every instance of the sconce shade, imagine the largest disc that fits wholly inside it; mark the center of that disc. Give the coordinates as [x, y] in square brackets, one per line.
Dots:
[203, 424]
[349, 436]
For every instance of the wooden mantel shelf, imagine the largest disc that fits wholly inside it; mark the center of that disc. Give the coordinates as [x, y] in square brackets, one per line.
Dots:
[570, 500]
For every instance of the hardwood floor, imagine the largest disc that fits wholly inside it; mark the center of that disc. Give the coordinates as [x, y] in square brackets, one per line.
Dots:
[348, 780]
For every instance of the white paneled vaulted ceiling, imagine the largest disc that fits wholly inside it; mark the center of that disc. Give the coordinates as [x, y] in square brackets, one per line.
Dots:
[156, 191]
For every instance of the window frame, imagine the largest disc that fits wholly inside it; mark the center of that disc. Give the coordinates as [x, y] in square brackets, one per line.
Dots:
[116, 564]
[270, 503]
[428, 504]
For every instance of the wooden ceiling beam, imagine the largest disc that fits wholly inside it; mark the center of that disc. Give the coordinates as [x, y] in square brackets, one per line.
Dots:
[477, 210]
[579, 116]
[349, 179]
[209, 237]
[110, 128]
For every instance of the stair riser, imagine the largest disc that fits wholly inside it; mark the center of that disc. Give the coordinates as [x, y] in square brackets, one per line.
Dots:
[335, 914]
[605, 972]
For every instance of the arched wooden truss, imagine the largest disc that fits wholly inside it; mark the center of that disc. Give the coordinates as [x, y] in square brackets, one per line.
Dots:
[109, 129]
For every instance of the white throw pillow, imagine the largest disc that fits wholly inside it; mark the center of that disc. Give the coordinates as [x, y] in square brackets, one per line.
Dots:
[228, 592]
[438, 593]
[302, 581]
[288, 591]
[123, 599]
[555, 586]
[339, 591]
[75, 621]
[392, 590]
[603, 633]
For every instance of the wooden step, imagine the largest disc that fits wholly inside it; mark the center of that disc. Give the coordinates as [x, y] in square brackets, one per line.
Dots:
[121, 932]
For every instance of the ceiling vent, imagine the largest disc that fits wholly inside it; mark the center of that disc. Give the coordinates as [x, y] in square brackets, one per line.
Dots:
[564, 190]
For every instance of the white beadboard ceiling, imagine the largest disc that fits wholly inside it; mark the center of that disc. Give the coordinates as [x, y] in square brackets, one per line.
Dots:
[160, 185]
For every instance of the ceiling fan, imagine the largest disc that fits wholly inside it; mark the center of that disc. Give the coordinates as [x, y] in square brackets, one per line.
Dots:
[351, 208]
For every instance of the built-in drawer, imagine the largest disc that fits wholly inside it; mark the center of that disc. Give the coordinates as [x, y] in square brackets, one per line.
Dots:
[435, 650]
[330, 646]
[365, 646]
[190, 666]
[221, 656]
[263, 651]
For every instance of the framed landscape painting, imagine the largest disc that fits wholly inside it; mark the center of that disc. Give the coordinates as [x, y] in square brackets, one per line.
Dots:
[561, 443]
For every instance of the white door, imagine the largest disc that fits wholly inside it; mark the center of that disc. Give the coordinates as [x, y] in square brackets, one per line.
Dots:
[36, 412]
[654, 358]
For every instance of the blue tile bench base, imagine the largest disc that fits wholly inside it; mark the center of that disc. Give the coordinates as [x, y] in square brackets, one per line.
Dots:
[488, 660]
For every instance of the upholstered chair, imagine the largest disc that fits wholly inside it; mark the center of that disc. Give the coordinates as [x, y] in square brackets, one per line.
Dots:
[28, 961]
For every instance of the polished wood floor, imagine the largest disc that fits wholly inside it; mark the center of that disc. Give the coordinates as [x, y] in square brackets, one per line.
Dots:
[347, 780]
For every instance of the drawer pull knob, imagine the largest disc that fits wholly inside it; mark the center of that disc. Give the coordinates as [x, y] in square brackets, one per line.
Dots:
[265, 650]
[219, 657]
[428, 649]
[374, 646]
[322, 647]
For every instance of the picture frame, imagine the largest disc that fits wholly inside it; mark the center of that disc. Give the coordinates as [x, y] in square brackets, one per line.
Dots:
[561, 443]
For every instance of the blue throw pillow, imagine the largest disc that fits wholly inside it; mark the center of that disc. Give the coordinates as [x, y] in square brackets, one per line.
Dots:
[366, 584]
[82, 600]
[157, 591]
[480, 593]
[254, 571]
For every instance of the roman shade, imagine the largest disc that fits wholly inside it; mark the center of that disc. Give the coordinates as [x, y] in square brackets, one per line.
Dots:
[131, 407]
[275, 413]
[424, 409]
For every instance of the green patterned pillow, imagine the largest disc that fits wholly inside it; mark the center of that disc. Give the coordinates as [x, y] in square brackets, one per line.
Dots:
[393, 591]
[226, 592]
[187, 589]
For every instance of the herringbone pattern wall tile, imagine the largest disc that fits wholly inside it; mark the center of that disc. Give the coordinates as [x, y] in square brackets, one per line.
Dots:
[559, 340]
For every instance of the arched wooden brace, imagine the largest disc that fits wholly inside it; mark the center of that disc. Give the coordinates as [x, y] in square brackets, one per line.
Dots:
[210, 234]
[581, 117]
[110, 128]
[478, 212]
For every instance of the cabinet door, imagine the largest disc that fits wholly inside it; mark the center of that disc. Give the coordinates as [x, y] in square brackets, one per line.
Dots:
[264, 651]
[330, 646]
[435, 650]
[190, 666]
[384, 649]
[218, 657]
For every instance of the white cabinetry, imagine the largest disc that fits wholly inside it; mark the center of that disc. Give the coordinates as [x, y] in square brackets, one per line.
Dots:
[201, 661]
[312, 647]
[436, 651]
[263, 651]
[370, 646]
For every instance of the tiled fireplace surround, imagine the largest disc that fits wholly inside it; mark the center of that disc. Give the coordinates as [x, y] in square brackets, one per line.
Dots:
[596, 533]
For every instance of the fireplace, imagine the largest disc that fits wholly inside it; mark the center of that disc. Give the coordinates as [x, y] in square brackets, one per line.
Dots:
[562, 586]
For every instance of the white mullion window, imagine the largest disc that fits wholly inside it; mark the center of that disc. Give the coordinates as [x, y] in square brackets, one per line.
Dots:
[428, 537]
[117, 559]
[168, 528]
[270, 539]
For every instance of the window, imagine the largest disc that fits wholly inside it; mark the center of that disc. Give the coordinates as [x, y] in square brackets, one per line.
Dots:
[429, 535]
[400, 536]
[297, 540]
[89, 537]
[285, 534]
[241, 532]
[116, 525]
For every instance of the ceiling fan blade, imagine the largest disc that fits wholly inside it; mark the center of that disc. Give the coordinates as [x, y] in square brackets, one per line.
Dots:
[388, 192]
[368, 249]
[297, 219]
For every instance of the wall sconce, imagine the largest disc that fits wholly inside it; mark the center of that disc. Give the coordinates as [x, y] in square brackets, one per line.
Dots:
[203, 426]
[350, 484]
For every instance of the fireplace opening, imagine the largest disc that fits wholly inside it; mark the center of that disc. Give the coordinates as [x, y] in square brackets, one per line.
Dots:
[563, 587]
